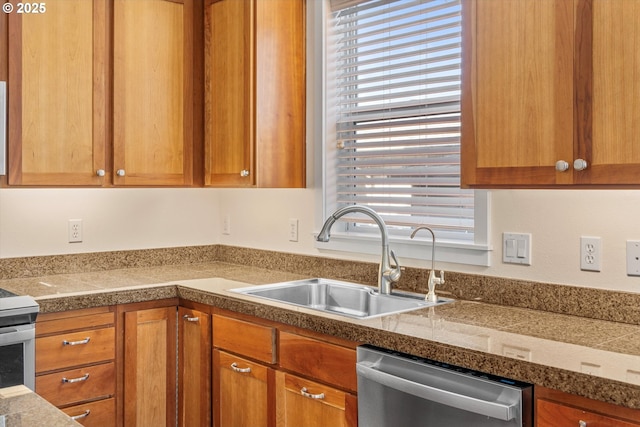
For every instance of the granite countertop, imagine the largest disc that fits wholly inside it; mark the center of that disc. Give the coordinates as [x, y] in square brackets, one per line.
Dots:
[593, 358]
[20, 407]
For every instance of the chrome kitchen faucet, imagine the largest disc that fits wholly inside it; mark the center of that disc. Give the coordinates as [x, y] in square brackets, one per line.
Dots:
[386, 275]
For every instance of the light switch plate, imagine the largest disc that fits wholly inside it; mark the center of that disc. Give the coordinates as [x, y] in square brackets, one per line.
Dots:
[516, 248]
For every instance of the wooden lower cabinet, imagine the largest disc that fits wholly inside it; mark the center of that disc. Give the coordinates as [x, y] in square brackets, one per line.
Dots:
[194, 368]
[94, 414]
[76, 363]
[554, 408]
[302, 402]
[266, 374]
[149, 389]
[241, 391]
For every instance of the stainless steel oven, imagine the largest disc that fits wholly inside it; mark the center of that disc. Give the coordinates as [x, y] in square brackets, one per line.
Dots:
[17, 339]
[397, 389]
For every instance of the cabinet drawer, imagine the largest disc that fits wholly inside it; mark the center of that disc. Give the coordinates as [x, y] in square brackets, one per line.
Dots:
[251, 340]
[101, 413]
[303, 402]
[77, 385]
[317, 359]
[55, 323]
[74, 349]
[549, 414]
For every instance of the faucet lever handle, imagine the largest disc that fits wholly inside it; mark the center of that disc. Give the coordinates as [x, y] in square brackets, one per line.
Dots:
[395, 272]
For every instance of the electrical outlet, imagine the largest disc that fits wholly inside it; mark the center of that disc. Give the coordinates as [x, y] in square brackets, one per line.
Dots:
[633, 257]
[75, 230]
[226, 224]
[590, 253]
[293, 230]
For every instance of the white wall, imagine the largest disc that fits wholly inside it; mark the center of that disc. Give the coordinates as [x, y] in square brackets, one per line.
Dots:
[34, 221]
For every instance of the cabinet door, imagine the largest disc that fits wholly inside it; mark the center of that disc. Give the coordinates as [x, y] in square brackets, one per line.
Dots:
[518, 96]
[300, 402]
[241, 392]
[613, 152]
[156, 122]
[194, 358]
[549, 414]
[229, 103]
[255, 82]
[58, 63]
[150, 367]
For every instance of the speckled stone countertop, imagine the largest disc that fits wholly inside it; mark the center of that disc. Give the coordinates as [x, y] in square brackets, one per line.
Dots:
[599, 359]
[23, 408]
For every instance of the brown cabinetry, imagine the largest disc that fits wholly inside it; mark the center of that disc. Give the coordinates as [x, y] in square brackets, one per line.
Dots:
[106, 93]
[149, 365]
[255, 93]
[75, 363]
[292, 380]
[558, 409]
[194, 367]
[547, 93]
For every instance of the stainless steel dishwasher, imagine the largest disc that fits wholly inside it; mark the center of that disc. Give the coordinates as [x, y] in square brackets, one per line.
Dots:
[397, 389]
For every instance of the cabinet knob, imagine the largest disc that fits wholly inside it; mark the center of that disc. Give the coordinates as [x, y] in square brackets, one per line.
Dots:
[582, 423]
[120, 172]
[562, 166]
[100, 172]
[580, 164]
[244, 172]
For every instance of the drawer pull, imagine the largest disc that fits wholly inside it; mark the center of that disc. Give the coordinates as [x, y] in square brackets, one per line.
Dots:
[305, 393]
[85, 414]
[190, 319]
[75, 380]
[81, 342]
[582, 423]
[234, 366]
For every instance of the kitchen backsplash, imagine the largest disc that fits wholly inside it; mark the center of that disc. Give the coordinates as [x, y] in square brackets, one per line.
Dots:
[565, 299]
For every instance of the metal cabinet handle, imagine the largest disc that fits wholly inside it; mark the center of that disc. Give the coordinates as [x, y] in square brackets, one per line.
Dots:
[582, 423]
[85, 414]
[190, 319]
[562, 166]
[234, 366]
[305, 393]
[81, 342]
[580, 164]
[120, 172]
[75, 380]
[244, 172]
[100, 172]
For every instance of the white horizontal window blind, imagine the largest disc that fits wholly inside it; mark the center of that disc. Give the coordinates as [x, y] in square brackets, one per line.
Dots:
[398, 70]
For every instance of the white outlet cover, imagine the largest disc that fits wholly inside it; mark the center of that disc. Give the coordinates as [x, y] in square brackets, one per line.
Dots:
[590, 253]
[633, 257]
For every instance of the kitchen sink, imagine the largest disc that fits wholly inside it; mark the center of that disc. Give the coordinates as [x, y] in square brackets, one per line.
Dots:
[337, 297]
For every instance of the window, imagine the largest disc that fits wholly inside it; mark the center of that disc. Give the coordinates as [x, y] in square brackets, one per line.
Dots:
[393, 77]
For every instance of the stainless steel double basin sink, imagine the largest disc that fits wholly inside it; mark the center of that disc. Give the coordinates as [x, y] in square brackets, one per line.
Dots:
[337, 297]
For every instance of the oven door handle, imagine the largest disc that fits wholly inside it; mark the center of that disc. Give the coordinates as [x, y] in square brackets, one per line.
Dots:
[467, 403]
[15, 336]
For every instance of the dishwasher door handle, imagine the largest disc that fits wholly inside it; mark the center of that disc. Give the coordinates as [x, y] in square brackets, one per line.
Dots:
[467, 403]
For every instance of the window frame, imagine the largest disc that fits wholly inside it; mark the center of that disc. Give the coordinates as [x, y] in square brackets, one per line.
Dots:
[320, 121]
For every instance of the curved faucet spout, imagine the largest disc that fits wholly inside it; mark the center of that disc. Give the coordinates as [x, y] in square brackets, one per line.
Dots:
[386, 274]
[433, 280]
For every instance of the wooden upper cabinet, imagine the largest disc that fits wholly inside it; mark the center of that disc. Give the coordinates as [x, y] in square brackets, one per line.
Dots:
[255, 77]
[156, 122]
[614, 153]
[547, 83]
[58, 94]
[107, 92]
